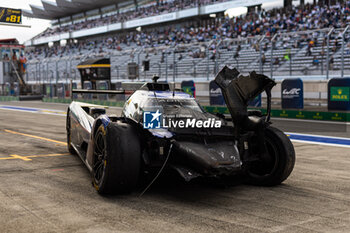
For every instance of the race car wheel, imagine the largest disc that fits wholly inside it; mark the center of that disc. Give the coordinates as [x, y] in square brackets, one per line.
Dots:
[275, 166]
[69, 140]
[117, 158]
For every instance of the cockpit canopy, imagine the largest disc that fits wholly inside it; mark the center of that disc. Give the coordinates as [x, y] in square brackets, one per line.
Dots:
[176, 104]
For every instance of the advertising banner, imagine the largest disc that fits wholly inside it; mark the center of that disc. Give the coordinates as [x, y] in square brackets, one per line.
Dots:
[150, 20]
[188, 12]
[339, 94]
[213, 8]
[292, 93]
[215, 94]
[189, 87]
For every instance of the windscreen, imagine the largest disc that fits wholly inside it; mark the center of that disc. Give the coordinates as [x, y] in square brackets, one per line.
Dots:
[171, 106]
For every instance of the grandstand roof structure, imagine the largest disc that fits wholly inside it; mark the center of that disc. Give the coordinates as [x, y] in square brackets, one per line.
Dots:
[61, 8]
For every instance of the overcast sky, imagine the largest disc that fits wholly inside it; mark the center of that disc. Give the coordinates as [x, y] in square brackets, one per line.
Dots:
[23, 34]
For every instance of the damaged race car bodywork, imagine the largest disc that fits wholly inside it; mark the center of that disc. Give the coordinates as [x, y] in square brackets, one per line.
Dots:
[120, 150]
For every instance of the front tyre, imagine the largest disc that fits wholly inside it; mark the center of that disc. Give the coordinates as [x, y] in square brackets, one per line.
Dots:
[276, 165]
[116, 159]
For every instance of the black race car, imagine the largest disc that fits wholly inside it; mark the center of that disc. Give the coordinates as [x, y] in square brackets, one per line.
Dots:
[161, 128]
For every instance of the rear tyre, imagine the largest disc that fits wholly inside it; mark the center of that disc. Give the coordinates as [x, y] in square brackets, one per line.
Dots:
[116, 159]
[277, 164]
[69, 138]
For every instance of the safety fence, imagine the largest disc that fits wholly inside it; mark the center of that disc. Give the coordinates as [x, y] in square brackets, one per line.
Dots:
[291, 105]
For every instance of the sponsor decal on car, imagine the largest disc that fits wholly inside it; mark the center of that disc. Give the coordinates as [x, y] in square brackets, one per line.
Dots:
[152, 120]
[156, 120]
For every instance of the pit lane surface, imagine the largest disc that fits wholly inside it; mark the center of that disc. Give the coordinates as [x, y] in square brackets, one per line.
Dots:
[44, 189]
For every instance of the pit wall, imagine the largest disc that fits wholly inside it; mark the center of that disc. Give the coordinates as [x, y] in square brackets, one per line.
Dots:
[313, 90]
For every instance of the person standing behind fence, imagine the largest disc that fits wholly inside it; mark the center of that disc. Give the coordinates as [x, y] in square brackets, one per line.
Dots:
[22, 63]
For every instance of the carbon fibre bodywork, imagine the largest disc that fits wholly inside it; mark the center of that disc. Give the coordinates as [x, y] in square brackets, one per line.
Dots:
[206, 152]
[192, 151]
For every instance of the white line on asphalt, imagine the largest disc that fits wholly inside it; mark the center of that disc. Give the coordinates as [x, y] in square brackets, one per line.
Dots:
[312, 121]
[319, 143]
[33, 110]
[315, 135]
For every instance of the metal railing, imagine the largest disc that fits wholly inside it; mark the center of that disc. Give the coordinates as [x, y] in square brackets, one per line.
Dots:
[282, 55]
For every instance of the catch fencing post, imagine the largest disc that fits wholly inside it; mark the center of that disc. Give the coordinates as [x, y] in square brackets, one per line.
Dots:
[174, 65]
[342, 50]
[271, 57]
[66, 69]
[328, 35]
[75, 73]
[194, 68]
[47, 71]
[117, 69]
[260, 54]
[39, 74]
[36, 70]
[208, 63]
[159, 69]
[138, 62]
[57, 76]
[166, 65]
[51, 84]
[290, 61]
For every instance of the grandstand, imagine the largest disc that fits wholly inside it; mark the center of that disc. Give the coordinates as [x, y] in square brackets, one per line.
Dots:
[184, 40]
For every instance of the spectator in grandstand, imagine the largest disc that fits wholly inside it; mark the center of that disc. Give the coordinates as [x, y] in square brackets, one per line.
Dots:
[266, 22]
[236, 54]
[6, 57]
[315, 61]
[22, 63]
[308, 51]
[286, 56]
[14, 57]
[265, 47]
[256, 46]
[239, 48]
[322, 53]
[230, 47]
[276, 61]
[213, 56]
[335, 46]
[348, 48]
[331, 63]
[263, 59]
